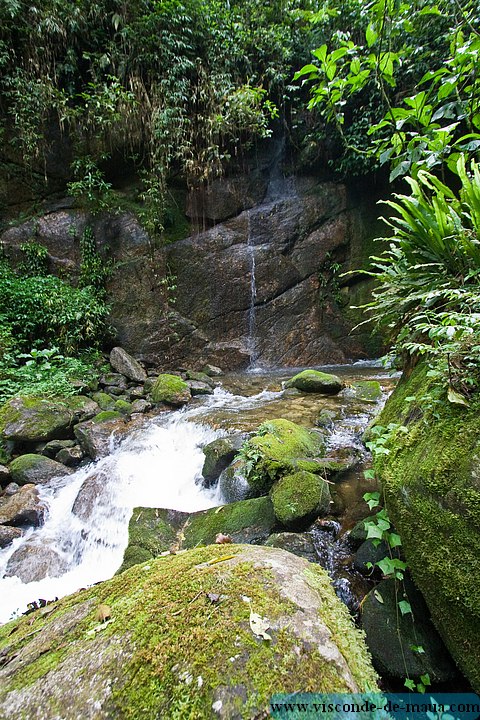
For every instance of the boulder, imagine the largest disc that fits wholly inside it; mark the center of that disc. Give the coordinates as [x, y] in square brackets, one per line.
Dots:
[212, 370]
[298, 543]
[32, 562]
[315, 381]
[123, 407]
[232, 484]
[141, 406]
[33, 419]
[36, 469]
[153, 531]
[103, 400]
[199, 388]
[11, 489]
[299, 498]
[391, 635]
[219, 454]
[88, 494]
[82, 407]
[368, 391]
[116, 380]
[175, 625]
[96, 436]
[201, 377]
[280, 447]
[54, 446]
[170, 389]
[22, 508]
[125, 364]
[71, 457]
[431, 481]
[8, 535]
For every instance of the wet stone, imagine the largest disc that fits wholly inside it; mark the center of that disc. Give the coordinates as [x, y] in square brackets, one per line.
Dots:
[8, 535]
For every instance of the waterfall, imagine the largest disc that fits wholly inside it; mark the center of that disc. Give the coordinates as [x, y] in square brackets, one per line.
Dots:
[252, 340]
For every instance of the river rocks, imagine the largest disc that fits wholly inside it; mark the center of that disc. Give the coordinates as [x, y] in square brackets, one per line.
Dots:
[298, 543]
[71, 457]
[141, 406]
[219, 454]
[96, 436]
[103, 400]
[280, 447]
[32, 562]
[152, 530]
[368, 391]
[87, 495]
[81, 407]
[299, 498]
[22, 508]
[178, 619]
[391, 635]
[36, 469]
[212, 370]
[232, 483]
[54, 446]
[4, 475]
[170, 389]
[31, 419]
[315, 382]
[125, 364]
[199, 388]
[8, 535]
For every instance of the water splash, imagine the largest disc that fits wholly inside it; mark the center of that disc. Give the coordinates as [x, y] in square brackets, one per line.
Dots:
[252, 340]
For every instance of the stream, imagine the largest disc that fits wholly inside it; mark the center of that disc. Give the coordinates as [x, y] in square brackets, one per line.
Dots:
[159, 465]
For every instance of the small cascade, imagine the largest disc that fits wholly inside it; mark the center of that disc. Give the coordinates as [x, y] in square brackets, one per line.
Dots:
[252, 340]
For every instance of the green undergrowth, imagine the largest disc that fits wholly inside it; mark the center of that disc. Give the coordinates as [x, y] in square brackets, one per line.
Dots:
[430, 472]
[185, 617]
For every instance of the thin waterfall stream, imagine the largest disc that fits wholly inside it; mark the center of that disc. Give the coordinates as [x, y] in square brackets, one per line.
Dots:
[86, 531]
[252, 341]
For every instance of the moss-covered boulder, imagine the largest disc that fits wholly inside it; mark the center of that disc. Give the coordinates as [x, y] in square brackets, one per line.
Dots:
[153, 531]
[315, 381]
[368, 391]
[35, 419]
[299, 498]
[36, 469]
[392, 636]
[219, 454]
[280, 447]
[104, 401]
[431, 479]
[81, 407]
[170, 389]
[180, 641]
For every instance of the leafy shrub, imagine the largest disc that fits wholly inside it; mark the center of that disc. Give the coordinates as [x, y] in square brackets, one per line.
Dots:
[43, 310]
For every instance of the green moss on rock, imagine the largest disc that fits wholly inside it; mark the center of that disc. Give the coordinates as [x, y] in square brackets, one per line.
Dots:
[431, 479]
[34, 419]
[299, 498]
[107, 415]
[246, 521]
[282, 447]
[170, 389]
[35, 469]
[316, 382]
[176, 622]
[123, 407]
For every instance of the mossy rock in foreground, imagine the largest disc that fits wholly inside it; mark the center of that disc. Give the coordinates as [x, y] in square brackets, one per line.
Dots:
[179, 642]
[432, 488]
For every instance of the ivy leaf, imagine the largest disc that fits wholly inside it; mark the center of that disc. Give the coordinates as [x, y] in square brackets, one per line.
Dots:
[405, 607]
[371, 35]
[373, 531]
[410, 684]
[394, 540]
[378, 597]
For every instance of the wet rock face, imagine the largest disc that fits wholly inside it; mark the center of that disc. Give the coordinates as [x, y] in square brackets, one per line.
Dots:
[280, 249]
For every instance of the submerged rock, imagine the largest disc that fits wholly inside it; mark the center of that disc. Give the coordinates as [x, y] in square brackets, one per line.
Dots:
[315, 381]
[180, 641]
[368, 391]
[170, 389]
[125, 364]
[22, 508]
[391, 635]
[299, 498]
[36, 469]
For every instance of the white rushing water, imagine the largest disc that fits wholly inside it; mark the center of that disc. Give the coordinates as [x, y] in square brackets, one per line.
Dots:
[86, 530]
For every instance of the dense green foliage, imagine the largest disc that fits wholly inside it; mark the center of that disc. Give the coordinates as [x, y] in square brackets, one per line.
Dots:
[398, 83]
[166, 86]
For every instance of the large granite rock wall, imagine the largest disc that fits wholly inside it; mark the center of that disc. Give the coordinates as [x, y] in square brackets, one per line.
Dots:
[261, 284]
